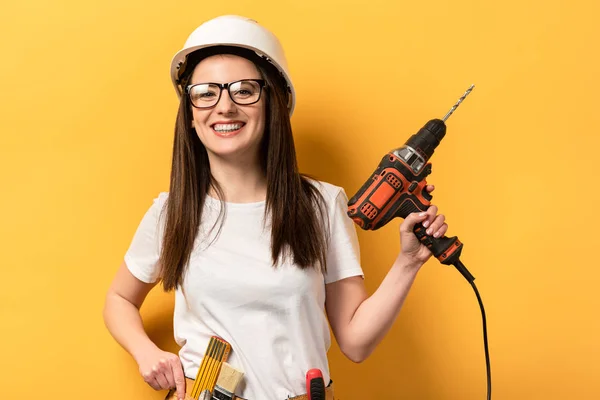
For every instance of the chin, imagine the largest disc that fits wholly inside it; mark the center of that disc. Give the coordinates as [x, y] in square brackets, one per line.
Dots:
[236, 146]
[232, 150]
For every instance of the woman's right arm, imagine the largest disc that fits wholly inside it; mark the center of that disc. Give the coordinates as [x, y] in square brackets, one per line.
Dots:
[161, 370]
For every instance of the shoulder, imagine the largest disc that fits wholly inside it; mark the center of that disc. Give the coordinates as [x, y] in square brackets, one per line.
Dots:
[158, 205]
[329, 191]
[162, 198]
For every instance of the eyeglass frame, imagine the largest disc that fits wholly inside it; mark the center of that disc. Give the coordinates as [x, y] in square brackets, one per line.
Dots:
[261, 85]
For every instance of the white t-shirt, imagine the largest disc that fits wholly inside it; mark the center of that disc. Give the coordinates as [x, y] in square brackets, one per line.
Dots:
[274, 318]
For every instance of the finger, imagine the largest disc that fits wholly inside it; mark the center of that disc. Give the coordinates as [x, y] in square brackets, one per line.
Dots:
[149, 379]
[431, 213]
[178, 377]
[169, 379]
[436, 224]
[442, 231]
[411, 220]
[153, 383]
[160, 378]
[430, 188]
[164, 368]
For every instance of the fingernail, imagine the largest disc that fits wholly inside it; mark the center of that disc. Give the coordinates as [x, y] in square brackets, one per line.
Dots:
[436, 235]
[429, 231]
[425, 224]
[422, 214]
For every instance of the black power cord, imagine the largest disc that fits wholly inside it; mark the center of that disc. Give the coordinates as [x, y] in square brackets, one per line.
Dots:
[447, 250]
[485, 343]
[471, 279]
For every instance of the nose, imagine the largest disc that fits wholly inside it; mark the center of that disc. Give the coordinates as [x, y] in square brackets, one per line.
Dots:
[225, 104]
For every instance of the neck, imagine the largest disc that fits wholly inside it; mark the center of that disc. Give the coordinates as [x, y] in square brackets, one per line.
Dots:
[242, 181]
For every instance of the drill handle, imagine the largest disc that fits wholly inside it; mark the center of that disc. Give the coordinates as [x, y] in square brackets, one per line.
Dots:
[446, 249]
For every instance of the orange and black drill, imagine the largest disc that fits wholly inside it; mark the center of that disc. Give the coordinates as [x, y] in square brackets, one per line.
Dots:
[398, 188]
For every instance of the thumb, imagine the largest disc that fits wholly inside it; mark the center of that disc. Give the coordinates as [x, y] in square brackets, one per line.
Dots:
[179, 379]
[411, 220]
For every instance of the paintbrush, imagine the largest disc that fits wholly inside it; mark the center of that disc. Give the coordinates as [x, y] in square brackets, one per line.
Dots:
[229, 379]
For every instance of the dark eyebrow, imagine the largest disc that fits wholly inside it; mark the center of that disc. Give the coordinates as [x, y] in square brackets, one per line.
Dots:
[218, 83]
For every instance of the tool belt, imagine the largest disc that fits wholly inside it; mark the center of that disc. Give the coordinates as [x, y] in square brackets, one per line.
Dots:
[189, 383]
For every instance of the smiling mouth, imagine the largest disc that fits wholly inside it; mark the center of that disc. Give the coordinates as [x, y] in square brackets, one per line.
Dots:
[228, 128]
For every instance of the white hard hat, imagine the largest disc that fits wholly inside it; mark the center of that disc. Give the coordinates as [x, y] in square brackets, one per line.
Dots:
[236, 31]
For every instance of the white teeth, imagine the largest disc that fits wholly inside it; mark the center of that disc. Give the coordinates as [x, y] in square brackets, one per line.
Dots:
[227, 127]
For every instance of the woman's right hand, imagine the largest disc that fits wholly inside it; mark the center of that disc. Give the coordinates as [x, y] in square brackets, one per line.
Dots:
[160, 369]
[163, 371]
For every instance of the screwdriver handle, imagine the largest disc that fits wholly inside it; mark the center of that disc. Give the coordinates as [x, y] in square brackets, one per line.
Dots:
[315, 385]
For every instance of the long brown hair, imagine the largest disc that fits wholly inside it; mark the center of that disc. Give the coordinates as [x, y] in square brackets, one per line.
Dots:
[299, 227]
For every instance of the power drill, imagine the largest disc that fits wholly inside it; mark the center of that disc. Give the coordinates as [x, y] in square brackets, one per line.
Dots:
[398, 188]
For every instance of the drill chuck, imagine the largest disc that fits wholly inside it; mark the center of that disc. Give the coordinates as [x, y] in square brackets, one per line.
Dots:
[427, 138]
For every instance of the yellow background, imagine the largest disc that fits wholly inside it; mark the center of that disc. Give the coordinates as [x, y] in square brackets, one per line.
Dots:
[87, 115]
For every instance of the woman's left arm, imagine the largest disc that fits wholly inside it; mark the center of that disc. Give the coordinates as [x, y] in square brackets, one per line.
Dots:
[359, 322]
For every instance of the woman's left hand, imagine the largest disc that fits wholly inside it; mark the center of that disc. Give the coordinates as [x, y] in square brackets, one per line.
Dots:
[412, 249]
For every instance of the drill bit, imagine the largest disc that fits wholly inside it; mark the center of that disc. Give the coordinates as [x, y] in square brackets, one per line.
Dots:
[454, 107]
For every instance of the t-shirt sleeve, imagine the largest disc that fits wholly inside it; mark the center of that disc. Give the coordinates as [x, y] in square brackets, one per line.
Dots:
[343, 254]
[142, 256]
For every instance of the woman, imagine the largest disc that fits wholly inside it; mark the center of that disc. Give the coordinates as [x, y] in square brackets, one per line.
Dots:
[256, 252]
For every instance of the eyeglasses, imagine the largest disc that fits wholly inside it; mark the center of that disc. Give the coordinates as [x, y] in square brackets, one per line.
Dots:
[243, 92]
